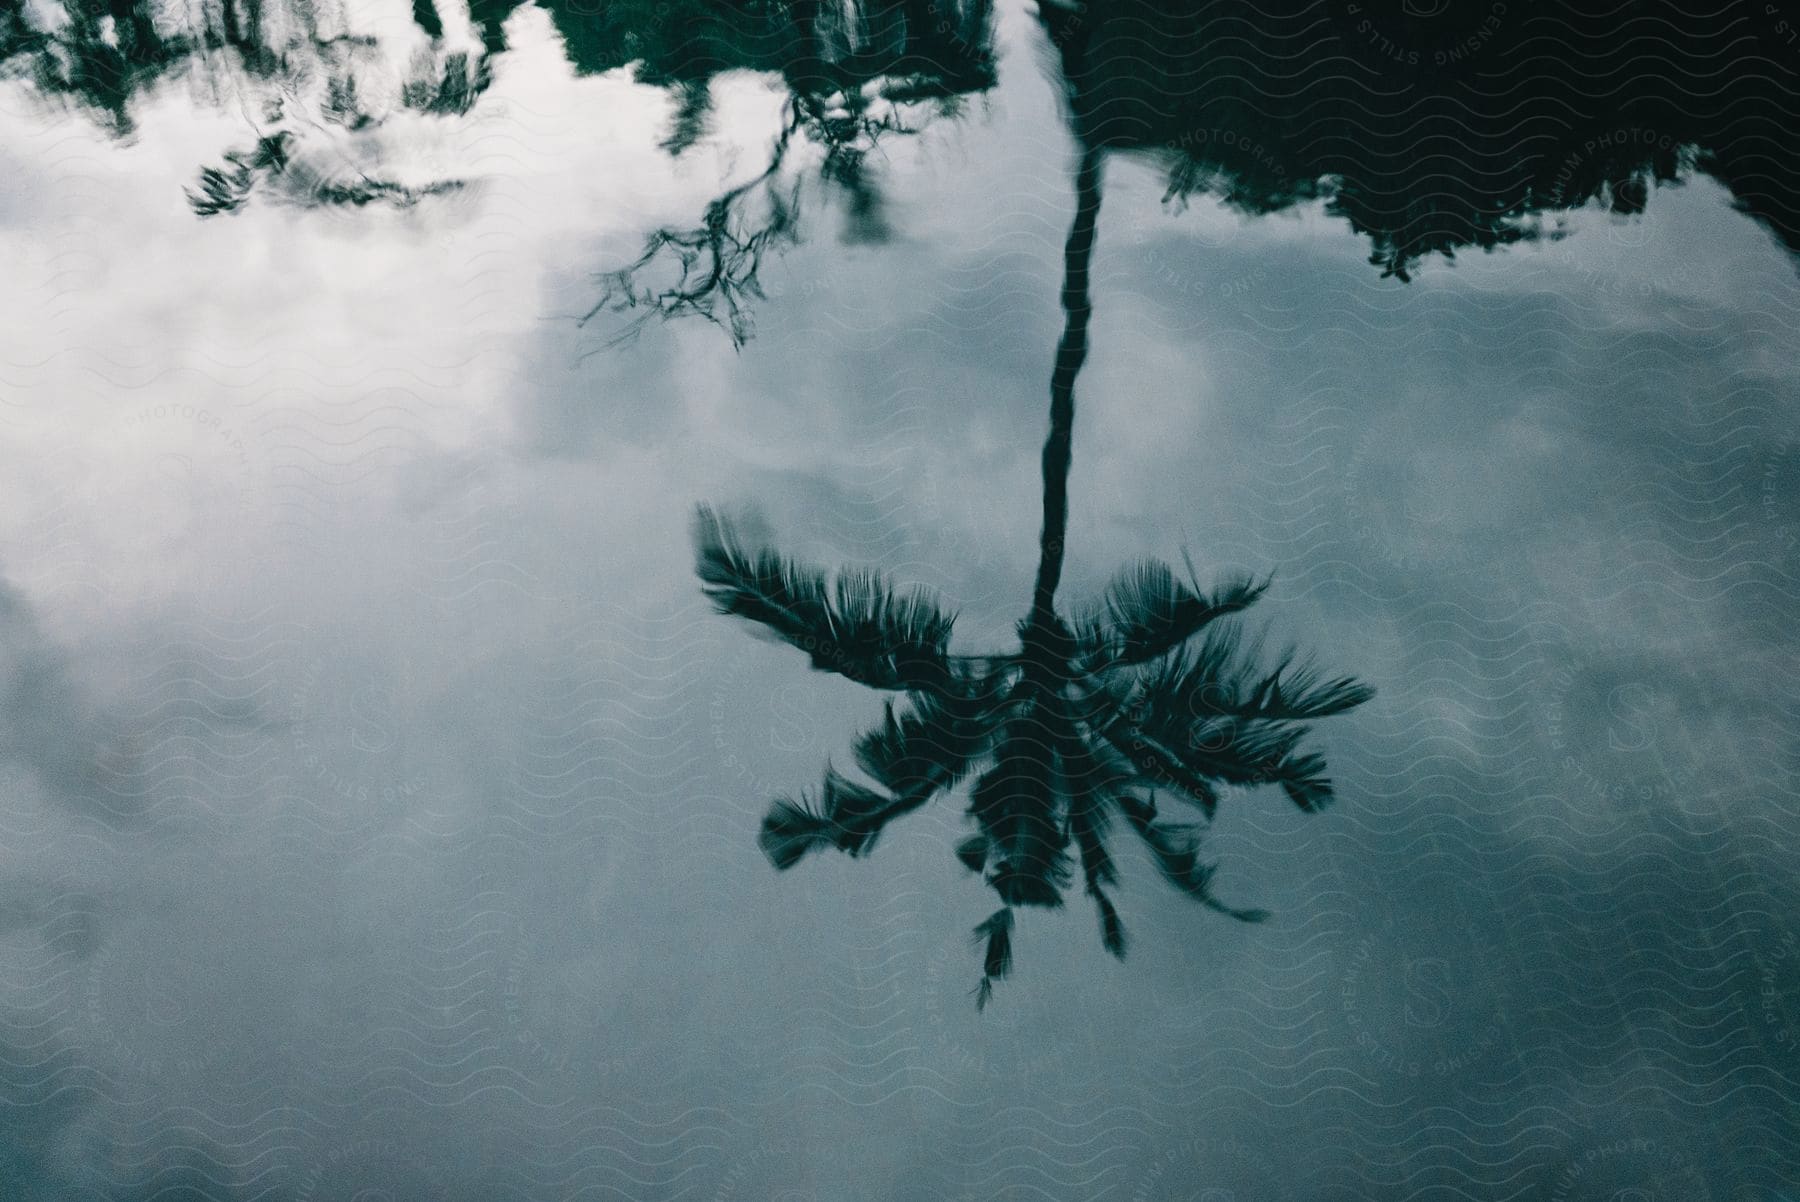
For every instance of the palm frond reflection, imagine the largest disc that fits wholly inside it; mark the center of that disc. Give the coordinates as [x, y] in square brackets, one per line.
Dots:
[1152, 693]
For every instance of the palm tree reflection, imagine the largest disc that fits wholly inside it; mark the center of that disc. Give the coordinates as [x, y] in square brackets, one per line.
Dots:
[1151, 690]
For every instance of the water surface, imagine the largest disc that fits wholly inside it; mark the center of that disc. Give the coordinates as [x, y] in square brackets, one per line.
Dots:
[381, 794]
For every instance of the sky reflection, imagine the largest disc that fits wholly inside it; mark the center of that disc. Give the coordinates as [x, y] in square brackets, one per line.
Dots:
[381, 796]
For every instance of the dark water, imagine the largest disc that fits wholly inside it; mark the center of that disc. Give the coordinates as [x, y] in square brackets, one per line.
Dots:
[382, 795]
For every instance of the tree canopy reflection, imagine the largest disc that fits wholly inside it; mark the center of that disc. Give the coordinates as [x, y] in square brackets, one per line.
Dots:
[855, 71]
[1429, 128]
[1433, 127]
[855, 76]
